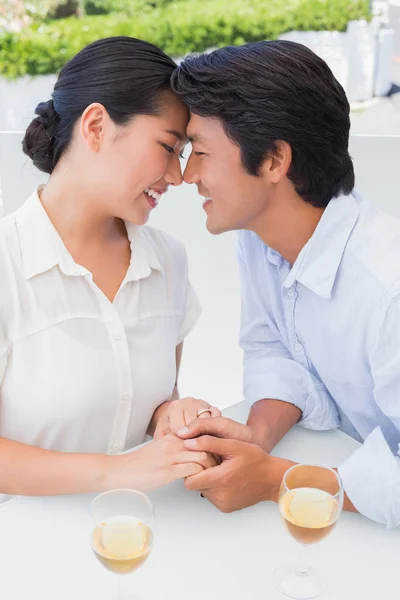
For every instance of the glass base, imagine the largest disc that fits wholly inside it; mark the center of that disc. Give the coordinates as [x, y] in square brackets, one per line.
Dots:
[298, 585]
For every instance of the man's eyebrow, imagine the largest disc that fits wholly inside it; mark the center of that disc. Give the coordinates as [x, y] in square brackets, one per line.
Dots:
[179, 136]
[196, 138]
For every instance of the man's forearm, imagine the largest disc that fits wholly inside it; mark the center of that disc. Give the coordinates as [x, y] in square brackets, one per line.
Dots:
[276, 467]
[270, 420]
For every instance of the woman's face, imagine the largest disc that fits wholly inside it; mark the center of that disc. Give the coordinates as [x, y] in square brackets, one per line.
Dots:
[133, 165]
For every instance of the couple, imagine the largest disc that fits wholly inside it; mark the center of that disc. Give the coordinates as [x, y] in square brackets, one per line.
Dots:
[95, 305]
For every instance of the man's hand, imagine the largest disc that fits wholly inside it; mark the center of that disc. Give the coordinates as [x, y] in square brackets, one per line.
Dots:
[220, 427]
[175, 414]
[246, 476]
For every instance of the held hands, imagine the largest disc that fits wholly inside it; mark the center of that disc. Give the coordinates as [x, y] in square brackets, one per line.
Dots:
[165, 459]
[246, 475]
[156, 464]
[178, 413]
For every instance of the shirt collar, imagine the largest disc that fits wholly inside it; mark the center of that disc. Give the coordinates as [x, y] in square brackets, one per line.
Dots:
[318, 262]
[144, 258]
[42, 247]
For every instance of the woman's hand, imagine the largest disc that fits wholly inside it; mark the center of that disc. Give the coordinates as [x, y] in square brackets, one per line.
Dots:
[154, 465]
[176, 414]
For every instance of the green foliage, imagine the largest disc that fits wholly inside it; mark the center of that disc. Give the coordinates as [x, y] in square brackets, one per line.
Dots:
[178, 27]
[127, 7]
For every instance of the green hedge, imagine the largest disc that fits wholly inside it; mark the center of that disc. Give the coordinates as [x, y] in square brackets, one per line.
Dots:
[128, 7]
[178, 28]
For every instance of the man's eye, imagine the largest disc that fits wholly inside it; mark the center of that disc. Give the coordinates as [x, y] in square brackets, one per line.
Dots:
[199, 153]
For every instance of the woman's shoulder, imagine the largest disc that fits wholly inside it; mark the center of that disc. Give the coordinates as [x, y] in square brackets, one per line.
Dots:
[8, 236]
[10, 262]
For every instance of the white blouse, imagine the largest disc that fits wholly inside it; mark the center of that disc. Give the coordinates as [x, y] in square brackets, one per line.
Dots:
[77, 372]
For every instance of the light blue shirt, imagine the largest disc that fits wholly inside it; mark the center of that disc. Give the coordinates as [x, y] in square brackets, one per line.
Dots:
[325, 335]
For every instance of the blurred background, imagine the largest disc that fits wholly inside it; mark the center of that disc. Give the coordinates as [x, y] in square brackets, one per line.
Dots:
[360, 40]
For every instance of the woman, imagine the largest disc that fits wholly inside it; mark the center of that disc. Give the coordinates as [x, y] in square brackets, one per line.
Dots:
[94, 308]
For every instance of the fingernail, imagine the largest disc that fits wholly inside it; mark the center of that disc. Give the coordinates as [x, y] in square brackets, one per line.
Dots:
[183, 431]
[190, 443]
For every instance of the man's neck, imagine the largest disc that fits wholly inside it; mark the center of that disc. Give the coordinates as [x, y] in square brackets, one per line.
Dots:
[288, 225]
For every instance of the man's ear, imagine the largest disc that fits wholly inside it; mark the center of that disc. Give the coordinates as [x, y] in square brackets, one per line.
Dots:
[93, 122]
[277, 165]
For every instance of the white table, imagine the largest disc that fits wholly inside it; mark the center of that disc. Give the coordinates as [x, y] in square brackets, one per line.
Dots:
[199, 552]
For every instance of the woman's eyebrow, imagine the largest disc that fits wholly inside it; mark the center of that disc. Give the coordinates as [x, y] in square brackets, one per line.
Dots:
[180, 136]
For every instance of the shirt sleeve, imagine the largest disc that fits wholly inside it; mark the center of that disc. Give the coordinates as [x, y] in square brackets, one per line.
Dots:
[371, 476]
[269, 370]
[3, 357]
[192, 313]
[3, 365]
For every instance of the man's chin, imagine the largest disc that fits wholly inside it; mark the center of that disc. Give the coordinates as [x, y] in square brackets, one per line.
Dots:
[214, 230]
[217, 228]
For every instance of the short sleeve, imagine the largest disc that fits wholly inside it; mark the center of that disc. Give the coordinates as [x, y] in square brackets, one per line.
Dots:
[3, 362]
[191, 314]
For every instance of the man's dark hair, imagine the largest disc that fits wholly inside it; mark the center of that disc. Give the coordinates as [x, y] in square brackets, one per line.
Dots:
[276, 90]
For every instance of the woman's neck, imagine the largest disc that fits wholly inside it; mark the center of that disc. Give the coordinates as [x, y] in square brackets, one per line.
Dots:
[77, 216]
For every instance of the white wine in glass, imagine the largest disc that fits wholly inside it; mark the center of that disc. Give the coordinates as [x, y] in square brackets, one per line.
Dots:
[310, 503]
[122, 530]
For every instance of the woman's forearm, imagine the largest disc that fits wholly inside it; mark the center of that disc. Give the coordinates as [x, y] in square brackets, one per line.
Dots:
[27, 470]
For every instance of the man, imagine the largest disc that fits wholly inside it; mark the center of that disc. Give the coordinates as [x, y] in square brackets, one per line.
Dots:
[320, 273]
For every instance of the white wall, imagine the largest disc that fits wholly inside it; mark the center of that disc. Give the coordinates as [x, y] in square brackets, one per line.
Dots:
[212, 361]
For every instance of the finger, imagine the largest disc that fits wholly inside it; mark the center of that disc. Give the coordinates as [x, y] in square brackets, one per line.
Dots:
[201, 458]
[205, 480]
[161, 432]
[214, 445]
[191, 414]
[177, 419]
[187, 470]
[215, 412]
[204, 415]
[217, 426]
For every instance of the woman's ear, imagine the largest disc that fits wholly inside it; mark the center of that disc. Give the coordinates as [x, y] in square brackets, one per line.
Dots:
[93, 122]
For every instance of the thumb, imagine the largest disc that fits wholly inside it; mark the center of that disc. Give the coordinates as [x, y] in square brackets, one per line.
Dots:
[213, 445]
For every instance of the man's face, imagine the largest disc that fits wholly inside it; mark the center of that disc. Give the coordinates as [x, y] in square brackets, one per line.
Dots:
[234, 199]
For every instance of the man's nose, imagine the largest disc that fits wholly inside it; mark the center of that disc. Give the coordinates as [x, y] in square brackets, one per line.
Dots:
[190, 175]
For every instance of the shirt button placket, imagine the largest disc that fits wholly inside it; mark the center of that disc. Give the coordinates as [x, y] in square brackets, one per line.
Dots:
[119, 430]
[290, 296]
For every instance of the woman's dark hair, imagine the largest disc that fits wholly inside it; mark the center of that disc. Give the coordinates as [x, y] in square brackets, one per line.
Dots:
[127, 76]
[276, 90]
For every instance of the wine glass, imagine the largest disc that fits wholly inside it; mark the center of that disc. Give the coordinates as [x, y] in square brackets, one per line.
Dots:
[310, 503]
[122, 531]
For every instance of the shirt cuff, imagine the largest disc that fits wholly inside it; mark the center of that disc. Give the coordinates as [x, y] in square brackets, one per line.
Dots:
[371, 479]
[286, 380]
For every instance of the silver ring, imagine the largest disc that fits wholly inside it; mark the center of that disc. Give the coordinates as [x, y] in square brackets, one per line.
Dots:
[201, 412]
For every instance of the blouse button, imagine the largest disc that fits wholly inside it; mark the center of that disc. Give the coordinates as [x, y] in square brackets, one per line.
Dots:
[117, 335]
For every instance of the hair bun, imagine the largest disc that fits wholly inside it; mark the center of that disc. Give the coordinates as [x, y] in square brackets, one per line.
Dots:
[38, 142]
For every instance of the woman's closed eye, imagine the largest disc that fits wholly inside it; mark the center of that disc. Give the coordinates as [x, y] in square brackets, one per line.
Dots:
[171, 150]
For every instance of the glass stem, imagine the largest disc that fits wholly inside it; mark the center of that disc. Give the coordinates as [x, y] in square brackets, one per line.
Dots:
[301, 565]
[119, 593]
